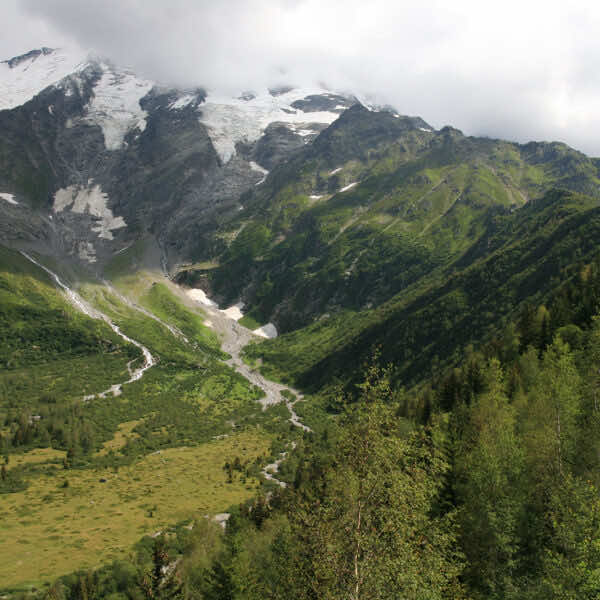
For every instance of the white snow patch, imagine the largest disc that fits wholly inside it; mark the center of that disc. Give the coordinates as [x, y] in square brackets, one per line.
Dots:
[234, 312]
[28, 78]
[256, 167]
[93, 201]
[230, 120]
[335, 171]
[200, 296]
[86, 251]
[115, 106]
[267, 331]
[349, 186]
[51, 109]
[9, 198]
[340, 107]
[425, 129]
[315, 197]
[182, 102]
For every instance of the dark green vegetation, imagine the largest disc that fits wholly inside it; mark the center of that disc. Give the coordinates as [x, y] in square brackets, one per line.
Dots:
[442, 238]
[302, 247]
[50, 437]
[523, 256]
[52, 356]
[442, 313]
[481, 484]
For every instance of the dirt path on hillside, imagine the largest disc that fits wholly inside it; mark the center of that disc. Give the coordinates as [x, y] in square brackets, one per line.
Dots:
[233, 339]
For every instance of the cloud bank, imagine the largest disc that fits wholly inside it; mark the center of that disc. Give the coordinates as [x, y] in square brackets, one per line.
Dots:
[516, 70]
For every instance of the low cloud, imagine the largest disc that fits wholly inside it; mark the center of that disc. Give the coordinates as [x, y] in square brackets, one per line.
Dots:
[516, 70]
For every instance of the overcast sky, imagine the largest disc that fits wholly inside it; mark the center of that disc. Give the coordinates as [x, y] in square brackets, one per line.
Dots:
[519, 70]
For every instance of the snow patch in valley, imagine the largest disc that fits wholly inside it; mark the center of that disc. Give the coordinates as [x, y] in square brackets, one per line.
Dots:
[234, 312]
[115, 106]
[335, 171]
[28, 77]
[231, 120]
[349, 186]
[9, 198]
[267, 331]
[425, 129]
[200, 296]
[90, 200]
[315, 197]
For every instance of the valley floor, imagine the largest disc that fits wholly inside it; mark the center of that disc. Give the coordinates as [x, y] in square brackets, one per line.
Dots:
[68, 519]
[234, 338]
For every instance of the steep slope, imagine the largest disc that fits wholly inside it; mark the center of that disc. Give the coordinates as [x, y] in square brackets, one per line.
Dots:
[25, 76]
[523, 256]
[376, 203]
[301, 203]
[104, 157]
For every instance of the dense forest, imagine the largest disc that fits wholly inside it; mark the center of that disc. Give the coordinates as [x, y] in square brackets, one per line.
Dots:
[479, 483]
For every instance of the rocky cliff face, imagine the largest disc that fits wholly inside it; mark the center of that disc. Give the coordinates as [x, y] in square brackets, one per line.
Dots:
[95, 157]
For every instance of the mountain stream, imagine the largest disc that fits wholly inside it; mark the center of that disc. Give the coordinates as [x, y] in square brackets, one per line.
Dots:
[85, 308]
[233, 336]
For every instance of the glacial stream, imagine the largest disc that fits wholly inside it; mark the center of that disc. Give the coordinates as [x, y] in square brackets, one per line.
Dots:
[233, 338]
[85, 308]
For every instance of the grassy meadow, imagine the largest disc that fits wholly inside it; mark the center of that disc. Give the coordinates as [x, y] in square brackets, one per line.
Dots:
[50, 530]
[83, 481]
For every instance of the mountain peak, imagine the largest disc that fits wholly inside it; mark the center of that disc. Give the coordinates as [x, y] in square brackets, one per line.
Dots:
[28, 56]
[23, 77]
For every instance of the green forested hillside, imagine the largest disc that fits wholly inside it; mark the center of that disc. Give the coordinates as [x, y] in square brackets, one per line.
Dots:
[304, 245]
[483, 484]
[523, 256]
[92, 461]
[439, 299]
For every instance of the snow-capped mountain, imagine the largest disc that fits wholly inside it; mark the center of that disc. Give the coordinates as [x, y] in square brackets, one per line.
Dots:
[117, 92]
[23, 77]
[93, 156]
[245, 119]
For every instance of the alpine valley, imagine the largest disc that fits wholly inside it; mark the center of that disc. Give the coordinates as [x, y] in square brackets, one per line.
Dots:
[288, 343]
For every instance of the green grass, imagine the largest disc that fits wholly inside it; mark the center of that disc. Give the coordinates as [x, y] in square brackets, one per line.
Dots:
[154, 443]
[91, 522]
[166, 306]
[521, 259]
[250, 322]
